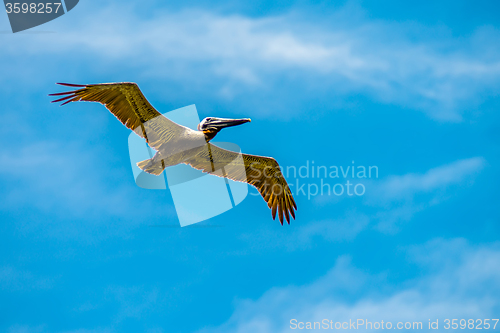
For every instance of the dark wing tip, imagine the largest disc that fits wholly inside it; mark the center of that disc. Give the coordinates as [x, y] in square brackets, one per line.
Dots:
[62, 93]
[292, 212]
[273, 210]
[71, 85]
[67, 102]
[67, 95]
[68, 98]
[280, 211]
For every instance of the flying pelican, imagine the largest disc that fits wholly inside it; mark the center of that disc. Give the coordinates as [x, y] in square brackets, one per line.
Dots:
[177, 144]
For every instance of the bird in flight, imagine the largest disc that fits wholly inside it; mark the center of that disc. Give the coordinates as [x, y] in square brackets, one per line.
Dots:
[176, 144]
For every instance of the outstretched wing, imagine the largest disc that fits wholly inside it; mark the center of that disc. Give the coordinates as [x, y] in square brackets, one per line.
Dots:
[127, 103]
[262, 172]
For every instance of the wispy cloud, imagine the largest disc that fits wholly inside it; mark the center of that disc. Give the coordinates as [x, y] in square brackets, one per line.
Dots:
[304, 235]
[391, 201]
[195, 48]
[56, 176]
[401, 197]
[343, 229]
[447, 291]
[400, 187]
[77, 187]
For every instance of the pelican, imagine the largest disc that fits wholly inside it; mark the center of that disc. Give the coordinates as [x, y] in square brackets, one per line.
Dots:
[175, 144]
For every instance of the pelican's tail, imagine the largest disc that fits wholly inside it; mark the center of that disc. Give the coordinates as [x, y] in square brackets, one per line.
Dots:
[151, 166]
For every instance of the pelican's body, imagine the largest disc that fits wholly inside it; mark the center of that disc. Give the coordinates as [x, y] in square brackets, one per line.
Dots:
[177, 144]
[182, 146]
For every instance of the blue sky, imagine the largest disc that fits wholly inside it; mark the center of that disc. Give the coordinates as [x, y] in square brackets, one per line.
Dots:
[410, 88]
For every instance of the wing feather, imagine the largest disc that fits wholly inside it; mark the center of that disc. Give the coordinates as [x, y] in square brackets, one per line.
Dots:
[127, 103]
[261, 172]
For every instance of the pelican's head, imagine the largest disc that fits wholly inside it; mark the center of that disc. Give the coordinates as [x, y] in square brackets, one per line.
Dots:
[210, 126]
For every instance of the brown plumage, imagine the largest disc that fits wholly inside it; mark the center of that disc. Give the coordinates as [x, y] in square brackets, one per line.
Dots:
[127, 103]
[262, 172]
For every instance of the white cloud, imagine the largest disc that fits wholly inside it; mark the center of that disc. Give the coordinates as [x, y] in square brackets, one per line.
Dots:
[462, 283]
[79, 188]
[194, 48]
[401, 197]
[346, 228]
[303, 235]
[398, 187]
[390, 202]
[57, 179]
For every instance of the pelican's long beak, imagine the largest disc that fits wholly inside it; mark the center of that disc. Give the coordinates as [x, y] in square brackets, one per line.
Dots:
[221, 123]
